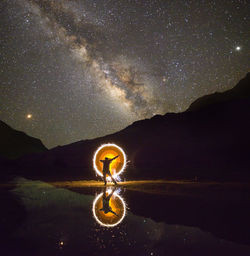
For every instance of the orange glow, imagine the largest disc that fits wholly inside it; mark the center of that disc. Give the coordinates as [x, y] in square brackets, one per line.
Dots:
[109, 219]
[28, 116]
[110, 150]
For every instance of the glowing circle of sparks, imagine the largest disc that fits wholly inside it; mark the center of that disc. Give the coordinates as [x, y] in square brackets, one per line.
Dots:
[104, 224]
[110, 145]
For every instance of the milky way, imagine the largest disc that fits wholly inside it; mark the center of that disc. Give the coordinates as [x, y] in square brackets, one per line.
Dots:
[83, 69]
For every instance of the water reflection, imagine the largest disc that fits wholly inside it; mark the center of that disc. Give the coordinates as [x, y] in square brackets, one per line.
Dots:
[109, 208]
[59, 221]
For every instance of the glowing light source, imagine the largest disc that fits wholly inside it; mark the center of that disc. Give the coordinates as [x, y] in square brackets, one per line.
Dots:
[110, 150]
[29, 116]
[117, 204]
[61, 244]
[237, 48]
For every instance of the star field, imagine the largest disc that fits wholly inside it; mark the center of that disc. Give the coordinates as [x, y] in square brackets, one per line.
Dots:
[73, 70]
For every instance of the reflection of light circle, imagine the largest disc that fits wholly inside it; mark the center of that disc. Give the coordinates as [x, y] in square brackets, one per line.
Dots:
[110, 147]
[96, 217]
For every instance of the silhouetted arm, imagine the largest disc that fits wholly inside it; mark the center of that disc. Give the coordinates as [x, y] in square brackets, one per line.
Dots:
[114, 158]
[113, 213]
[102, 161]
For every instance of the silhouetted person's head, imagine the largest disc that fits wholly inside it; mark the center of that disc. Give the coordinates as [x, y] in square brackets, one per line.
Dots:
[106, 158]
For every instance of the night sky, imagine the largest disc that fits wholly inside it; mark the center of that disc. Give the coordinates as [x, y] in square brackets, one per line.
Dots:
[79, 69]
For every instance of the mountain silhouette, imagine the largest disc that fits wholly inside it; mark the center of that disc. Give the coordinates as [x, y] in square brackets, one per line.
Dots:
[14, 144]
[240, 91]
[211, 141]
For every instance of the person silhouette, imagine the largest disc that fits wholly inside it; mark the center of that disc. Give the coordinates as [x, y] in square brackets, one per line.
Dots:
[106, 165]
[106, 208]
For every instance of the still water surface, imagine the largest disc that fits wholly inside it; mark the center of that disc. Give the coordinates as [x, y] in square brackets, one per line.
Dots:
[47, 220]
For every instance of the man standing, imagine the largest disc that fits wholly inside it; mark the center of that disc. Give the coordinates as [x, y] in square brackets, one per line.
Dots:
[105, 171]
[106, 208]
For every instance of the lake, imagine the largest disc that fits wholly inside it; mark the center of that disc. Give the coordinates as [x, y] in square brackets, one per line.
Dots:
[40, 218]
